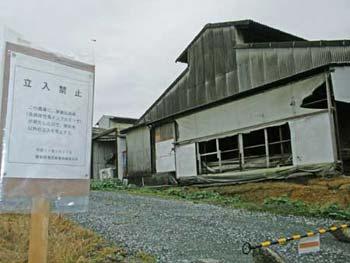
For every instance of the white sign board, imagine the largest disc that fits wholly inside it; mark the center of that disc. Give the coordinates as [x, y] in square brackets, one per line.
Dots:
[309, 245]
[48, 120]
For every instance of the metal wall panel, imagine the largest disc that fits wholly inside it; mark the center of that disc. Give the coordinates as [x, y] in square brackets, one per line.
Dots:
[138, 143]
[302, 59]
[270, 58]
[283, 62]
[243, 70]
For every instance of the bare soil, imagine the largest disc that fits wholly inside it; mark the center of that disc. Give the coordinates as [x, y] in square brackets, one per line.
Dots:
[317, 190]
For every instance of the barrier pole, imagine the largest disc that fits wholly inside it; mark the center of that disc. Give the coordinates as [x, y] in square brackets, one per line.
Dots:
[247, 247]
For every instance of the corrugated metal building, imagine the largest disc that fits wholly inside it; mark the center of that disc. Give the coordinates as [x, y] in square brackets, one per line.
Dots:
[252, 97]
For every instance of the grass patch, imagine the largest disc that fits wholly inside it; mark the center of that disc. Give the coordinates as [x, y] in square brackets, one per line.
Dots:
[280, 205]
[68, 243]
[107, 185]
[284, 205]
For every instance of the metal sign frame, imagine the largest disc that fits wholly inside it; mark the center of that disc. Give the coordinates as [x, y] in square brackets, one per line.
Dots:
[31, 187]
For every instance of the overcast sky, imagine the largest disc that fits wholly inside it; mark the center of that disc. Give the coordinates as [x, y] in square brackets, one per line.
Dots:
[138, 41]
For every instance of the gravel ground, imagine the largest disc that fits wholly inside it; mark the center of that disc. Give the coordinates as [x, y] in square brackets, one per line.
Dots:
[181, 231]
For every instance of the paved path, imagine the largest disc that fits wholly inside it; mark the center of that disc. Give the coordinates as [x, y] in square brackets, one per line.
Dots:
[179, 231]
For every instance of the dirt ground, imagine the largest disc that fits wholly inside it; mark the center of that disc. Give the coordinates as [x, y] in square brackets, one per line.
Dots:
[317, 190]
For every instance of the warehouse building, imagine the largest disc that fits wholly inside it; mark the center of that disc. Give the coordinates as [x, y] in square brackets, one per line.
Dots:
[253, 103]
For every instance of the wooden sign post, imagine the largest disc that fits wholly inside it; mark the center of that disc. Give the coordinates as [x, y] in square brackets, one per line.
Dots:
[45, 137]
[39, 229]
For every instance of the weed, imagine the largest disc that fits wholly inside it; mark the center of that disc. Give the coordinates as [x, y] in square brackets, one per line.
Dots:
[106, 185]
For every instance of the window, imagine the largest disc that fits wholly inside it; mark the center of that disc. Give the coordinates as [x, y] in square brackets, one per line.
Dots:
[280, 150]
[254, 149]
[269, 147]
[209, 157]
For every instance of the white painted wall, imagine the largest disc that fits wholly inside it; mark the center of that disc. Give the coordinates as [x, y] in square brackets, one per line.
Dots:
[165, 156]
[186, 164]
[312, 140]
[263, 108]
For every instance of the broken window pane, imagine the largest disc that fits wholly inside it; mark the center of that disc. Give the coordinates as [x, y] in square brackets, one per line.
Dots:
[229, 151]
[223, 155]
[254, 150]
[280, 150]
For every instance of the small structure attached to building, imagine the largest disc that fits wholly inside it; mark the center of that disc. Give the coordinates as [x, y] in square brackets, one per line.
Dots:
[254, 102]
[109, 147]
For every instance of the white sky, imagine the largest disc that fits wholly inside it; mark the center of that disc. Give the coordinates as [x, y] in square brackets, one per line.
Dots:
[138, 41]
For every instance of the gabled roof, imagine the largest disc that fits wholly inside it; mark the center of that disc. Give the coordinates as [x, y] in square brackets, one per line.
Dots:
[268, 33]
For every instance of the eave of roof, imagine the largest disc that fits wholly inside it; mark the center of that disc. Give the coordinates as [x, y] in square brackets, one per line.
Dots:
[164, 93]
[124, 120]
[296, 44]
[247, 93]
